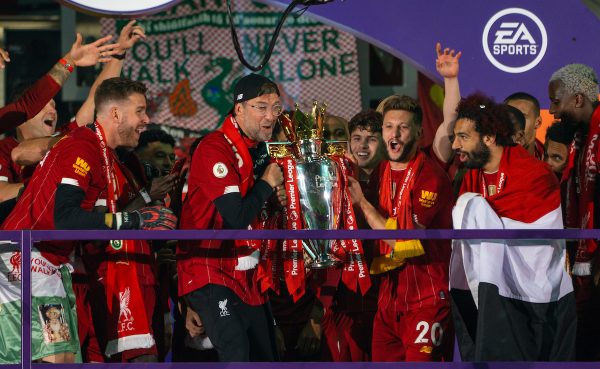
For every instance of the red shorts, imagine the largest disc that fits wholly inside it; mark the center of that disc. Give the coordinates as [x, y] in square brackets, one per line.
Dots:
[90, 349]
[348, 336]
[425, 334]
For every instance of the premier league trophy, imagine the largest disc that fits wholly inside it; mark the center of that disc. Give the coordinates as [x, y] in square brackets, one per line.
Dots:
[317, 177]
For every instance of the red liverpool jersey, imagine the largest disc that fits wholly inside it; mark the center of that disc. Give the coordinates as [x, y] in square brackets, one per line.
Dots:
[75, 160]
[422, 281]
[9, 171]
[214, 172]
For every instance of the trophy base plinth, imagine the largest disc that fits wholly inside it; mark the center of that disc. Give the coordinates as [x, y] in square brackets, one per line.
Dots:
[325, 264]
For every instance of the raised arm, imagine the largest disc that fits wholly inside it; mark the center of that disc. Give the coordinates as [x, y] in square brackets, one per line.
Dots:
[129, 35]
[38, 95]
[447, 66]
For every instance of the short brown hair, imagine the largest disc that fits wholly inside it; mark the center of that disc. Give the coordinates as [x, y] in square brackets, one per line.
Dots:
[407, 103]
[366, 120]
[117, 89]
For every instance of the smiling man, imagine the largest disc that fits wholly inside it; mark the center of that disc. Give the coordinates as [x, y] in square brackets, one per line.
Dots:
[366, 144]
[348, 324]
[230, 179]
[41, 125]
[573, 93]
[413, 321]
[512, 300]
[77, 173]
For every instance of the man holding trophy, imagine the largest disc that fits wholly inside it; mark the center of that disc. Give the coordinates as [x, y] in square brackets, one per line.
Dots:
[413, 321]
[230, 180]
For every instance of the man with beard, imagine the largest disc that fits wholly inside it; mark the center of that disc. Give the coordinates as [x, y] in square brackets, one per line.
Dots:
[230, 180]
[42, 125]
[413, 321]
[573, 92]
[530, 107]
[62, 194]
[33, 113]
[42, 91]
[513, 300]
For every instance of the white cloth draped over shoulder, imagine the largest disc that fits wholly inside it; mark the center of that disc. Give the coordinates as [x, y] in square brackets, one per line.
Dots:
[526, 270]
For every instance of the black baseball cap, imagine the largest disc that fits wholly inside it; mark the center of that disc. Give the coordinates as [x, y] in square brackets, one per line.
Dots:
[250, 86]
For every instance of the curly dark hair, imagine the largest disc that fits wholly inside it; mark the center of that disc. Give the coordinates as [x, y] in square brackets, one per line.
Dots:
[491, 119]
[561, 131]
[367, 120]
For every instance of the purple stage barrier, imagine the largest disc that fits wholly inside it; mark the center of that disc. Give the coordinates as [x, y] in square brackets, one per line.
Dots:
[26, 238]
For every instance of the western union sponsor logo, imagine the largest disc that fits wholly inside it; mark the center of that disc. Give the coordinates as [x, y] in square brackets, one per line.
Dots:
[81, 167]
[428, 195]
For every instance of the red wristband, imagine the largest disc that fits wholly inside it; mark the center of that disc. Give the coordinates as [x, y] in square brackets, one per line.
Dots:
[66, 64]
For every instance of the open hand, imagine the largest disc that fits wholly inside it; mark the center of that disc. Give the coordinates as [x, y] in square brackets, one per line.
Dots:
[193, 323]
[98, 51]
[447, 61]
[130, 34]
[160, 186]
[281, 195]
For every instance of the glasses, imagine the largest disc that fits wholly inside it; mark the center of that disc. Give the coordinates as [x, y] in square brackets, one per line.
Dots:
[262, 109]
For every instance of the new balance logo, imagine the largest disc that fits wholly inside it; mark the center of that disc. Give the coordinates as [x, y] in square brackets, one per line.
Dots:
[223, 307]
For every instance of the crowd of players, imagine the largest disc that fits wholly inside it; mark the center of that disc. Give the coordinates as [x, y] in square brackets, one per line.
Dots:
[209, 300]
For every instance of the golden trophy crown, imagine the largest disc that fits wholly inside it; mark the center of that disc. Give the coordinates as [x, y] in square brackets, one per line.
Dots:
[304, 127]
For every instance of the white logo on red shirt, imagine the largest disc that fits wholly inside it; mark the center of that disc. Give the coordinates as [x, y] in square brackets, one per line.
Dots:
[240, 161]
[223, 307]
[220, 170]
[126, 323]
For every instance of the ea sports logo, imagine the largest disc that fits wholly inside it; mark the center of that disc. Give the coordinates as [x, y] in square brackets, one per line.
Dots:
[514, 40]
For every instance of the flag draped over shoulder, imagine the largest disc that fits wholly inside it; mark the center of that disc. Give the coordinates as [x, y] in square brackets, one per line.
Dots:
[528, 197]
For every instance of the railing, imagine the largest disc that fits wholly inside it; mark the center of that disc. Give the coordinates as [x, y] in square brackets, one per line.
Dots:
[27, 238]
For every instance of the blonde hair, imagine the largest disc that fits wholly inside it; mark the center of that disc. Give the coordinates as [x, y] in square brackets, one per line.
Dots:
[397, 102]
[578, 78]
